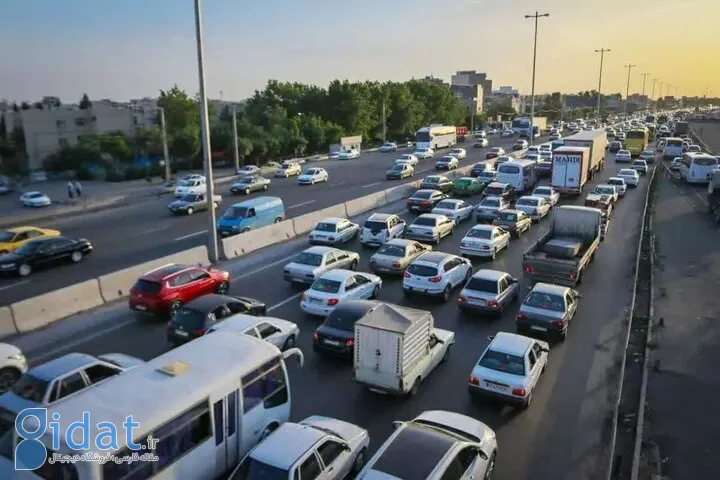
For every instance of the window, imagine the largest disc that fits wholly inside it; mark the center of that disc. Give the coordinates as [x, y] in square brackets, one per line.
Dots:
[329, 451]
[182, 434]
[218, 420]
[60, 123]
[537, 349]
[80, 122]
[180, 280]
[310, 468]
[232, 413]
[237, 307]
[196, 275]
[265, 330]
[466, 457]
[71, 384]
[98, 373]
[454, 470]
[265, 385]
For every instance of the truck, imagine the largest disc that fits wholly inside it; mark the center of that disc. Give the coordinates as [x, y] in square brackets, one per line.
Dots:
[396, 348]
[570, 170]
[564, 253]
[521, 126]
[681, 129]
[596, 141]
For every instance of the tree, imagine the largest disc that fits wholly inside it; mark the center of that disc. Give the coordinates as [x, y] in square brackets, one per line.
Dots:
[25, 106]
[85, 102]
[147, 141]
[245, 146]
[181, 110]
[3, 128]
[38, 106]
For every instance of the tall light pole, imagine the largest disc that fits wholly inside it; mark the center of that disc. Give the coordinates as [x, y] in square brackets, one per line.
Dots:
[384, 120]
[205, 130]
[602, 52]
[652, 96]
[644, 75]
[236, 150]
[166, 154]
[629, 66]
[535, 16]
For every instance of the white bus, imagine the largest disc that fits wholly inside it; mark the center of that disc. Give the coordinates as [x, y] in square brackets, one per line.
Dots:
[521, 174]
[673, 147]
[207, 403]
[697, 167]
[435, 136]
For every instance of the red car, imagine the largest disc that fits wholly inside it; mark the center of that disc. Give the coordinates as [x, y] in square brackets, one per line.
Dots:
[163, 290]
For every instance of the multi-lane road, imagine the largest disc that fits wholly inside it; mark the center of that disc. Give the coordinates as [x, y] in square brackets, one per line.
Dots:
[145, 231]
[563, 435]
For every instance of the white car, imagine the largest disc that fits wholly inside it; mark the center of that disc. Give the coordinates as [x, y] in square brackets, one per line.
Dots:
[459, 153]
[491, 131]
[694, 149]
[430, 227]
[494, 153]
[388, 147]
[333, 231]
[479, 134]
[545, 147]
[436, 274]
[410, 158]
[619, 184]
[532, 150]
[349, 154]
[631, 177]
[35, 199]
[457, 210]
[317, 447]
[424, 153]
[520, 145]
[287, 170]
[640, 166]
[314, 175]
[647, 155]
[447, 162]
[334, 286]
[481, 143]
[509, 369]
[380, 228]
[279, 332]
[194, 186]
[675, 165]
[488, 208]
[315, 261]
[484, 241]
[548, 193]
[605, 189]
[247, 170]
[13, 365]
[507, 133]
[193, 176]
[555, 136]
[534, 207]
[623, 156]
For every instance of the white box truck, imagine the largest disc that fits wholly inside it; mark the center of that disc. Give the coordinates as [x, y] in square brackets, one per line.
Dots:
[596, 141]
[396, 348]
[570, 169]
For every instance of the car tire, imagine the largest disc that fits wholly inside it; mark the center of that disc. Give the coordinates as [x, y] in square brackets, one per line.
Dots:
[490, 468]
[289, 343]
[359, 463]
[446, 355]
[278, 220]
[494, 254]
[528, 401]
[76, 256]
[24, 270]
[446, 294]
[375, 293]
[353, 265]
[312, 182]
[223, 288]
[3, 252]
[415, 387]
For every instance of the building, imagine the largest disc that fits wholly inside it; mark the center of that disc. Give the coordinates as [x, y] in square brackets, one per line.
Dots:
[471, 77]
[471, 96]
[507, 90]
[435, 80]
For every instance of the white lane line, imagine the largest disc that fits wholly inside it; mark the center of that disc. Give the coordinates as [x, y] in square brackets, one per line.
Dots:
[153, 230]
[287, 300]
[266, 266]
[338, 184]
[13, 285]
[371, 185]
[190, 235]
[301, 204]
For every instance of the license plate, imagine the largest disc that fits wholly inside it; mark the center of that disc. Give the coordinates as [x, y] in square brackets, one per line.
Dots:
[477, 301]
[140, 307]
[413, 207]
[182, 333]
[538, 329]
[493, 386]
[315, 300]
[334, 343]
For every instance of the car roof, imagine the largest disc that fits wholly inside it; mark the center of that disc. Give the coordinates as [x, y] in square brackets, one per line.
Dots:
[616, 178]
[488, 274]
[426, 190]
[23, 229]
[241, 321]
[379, 217]
[452, 200]
[400, 242]
[208, 302]
[498, 184]
[433, 257]
[258, 201]
[161, 273]
[331, 220]
[549, 288]
[319, 250]
[511, 210]
[60, 366]
[532, 197]
[463, 178]
[430, 215]
[627, 170]
[510, 343]
[484, 226]
[337, 274]
[287, 444]
[492, 197]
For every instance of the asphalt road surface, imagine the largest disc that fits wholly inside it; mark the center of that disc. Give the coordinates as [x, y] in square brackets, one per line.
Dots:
[145, 231]
[561, 436]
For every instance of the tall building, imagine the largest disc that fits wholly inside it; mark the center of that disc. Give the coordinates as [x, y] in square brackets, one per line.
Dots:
[436, 80]
[471, 77]
[471, 96]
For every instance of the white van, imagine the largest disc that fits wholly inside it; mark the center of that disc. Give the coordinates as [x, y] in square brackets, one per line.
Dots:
[520, 174]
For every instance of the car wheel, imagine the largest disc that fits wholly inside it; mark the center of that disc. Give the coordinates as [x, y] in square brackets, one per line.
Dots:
[24, 270]
[8, 377]
[528, 401]
[223, 288]
[289, 343]
[3, 252]
[76, 257]
[312, 182]
[494, 253]
[415, 388]
[278, 220]
[375, 292]
[359, 462]
[190, 211]
[446, 294]
[490, 468]
[247, 191]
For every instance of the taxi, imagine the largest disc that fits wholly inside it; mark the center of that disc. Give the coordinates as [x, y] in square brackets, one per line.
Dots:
[13, 238]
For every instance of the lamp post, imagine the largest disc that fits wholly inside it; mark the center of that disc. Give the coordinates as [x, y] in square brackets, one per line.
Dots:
[629, 66]
[537, 15]
[602, 57]
[166, 154]
[236, 151]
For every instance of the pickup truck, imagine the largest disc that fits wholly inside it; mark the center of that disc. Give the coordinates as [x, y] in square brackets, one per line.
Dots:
[191, 203]
[396, 348]
[562, 255]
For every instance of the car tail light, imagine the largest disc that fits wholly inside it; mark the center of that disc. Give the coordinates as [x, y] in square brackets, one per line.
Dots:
[571, 276]
[302, 296]
[528, 269]
[462, 299]
[315, 337]
[558, 324]
[473, 380]
[407, 275]
[200, 331]
[463, 244]
[436, 279]
[519, 392]
[521, 317]
[396, 265]
[424, 203]
[332, 301]
[349, 342]
[492, 304]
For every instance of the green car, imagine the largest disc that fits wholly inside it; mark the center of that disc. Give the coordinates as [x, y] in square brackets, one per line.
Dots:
[467, 186]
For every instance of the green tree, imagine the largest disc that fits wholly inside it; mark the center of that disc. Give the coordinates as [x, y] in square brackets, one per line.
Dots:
[147, 141]
[25, 106]
[245, 147]
[185, 144]
[3, 128]
[85, 102]
[181, 110]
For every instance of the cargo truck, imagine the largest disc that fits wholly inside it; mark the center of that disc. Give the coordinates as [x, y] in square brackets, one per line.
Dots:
[570, 170]
[521, 126]
[565, 252]
[396, 348]
[596, 141]
[681, 129]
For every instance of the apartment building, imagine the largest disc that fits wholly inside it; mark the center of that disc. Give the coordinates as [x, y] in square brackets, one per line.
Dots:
[471, 96]
[472, 77]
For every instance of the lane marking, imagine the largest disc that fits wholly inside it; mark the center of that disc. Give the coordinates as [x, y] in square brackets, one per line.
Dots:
[371, 185]
[154, 230]
[287, 300]
[266, 266]
[13, 285]
[190, 235]
[301, 204]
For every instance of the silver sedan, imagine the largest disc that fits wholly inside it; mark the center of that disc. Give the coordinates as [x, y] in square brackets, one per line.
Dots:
[279, 332]
[396, 255]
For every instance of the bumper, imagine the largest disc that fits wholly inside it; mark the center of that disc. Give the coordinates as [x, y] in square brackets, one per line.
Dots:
[544, 330]
[385, 269]
[341, 351]
[422, 238]
[419, 209]
[317, 309]
[478, 392]
[322, 241]
[471, 252]
[434, 291]
[297, 278]
[146, 309]
[474, 308]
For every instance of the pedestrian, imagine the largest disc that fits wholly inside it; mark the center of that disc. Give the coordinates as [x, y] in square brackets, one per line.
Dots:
[78, 189]
[71, 190]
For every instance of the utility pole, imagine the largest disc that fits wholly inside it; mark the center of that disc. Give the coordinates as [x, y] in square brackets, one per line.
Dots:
[629, 66]
[652, 97]
[166, 154]
[644, 75]
[562, 108]
[205, 130]
[531, 134]
[384, 120]
[236, 150]
[602, 57]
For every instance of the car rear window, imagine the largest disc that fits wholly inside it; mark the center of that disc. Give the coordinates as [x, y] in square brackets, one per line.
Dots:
[30, 388]
[494, 191]
[508, 217]
[375, 226]
[446, 205]
[147, 287]
[502, 362]
[479, 233]
[189, 318]
[392, 251]
[423, 195]
[482, 285]
[425, 222]
[545, 301]
[326, 286]
[422, 270]
[325, 227]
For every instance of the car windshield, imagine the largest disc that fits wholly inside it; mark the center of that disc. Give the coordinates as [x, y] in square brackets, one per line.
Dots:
[422, 195]
[482, 285]
[287, 166]
[637, 163]
[422, 270]
[531, 202]
[542, 191]
[325, 227]
[545, 301]
[246, 180]
[616, 181]
[6, 237]
[447, 205]
[187, 183]
[398, 167]
[28, 248]
[309, 172]
[511, 169]
[508, 217]
[147, 287]
[623, 152]
[189, 318]
[425, 222]
[252, 469]
[391, 251]
[326, 286]
[487, 175]
[30, 388]
[490, 202]
[483, 233]
[494, 191]
[605, 190]
[502, 362]
[627, 172]
[188, 198]
[311, 259]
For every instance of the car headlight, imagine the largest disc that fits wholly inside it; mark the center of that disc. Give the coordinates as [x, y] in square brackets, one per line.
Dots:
[19, 357]
[7, 265]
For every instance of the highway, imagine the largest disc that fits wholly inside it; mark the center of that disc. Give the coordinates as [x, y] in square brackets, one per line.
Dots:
[561, 436]
[144, 231]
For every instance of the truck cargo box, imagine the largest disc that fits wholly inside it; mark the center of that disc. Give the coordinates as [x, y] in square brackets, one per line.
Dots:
[563, 247]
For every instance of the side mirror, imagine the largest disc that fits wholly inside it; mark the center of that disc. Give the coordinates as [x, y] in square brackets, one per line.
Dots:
[347, 448]
[490, 337]
[545, 350]
[578, 295]
[397, 424]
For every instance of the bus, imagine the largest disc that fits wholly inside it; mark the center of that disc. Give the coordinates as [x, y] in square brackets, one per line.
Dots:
[636, 140]
[521, 126]
[435, 136]
[521, 174]
[207, 403]
[673, 147]
[697, 167]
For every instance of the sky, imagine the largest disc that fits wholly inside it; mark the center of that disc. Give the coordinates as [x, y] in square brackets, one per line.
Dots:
[123, 49]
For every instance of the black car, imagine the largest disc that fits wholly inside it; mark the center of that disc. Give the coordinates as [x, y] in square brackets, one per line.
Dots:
[194, 318]
[503, 190]
[478, 168]
[423, 201]
[615, 146]
[44, 252]
[437, 182]
[336, 335]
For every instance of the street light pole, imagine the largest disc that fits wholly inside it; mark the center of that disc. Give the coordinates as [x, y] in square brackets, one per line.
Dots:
[205, 130]
[537, 15]
[602, 57]
[166, 154]
[644, 75]
[629, 66]
[652, 96]
[236, 151]
[384, 121]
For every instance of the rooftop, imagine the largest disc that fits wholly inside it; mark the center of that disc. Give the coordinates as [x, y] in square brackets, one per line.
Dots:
[489, 274]
[287, 444]
[510, 343]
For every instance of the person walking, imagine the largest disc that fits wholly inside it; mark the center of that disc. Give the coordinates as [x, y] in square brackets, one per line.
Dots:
[78, 189]
[71, 190]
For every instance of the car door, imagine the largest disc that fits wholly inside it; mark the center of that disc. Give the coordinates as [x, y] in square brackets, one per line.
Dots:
[329, 262]
[342, 259]
[398, 228]
[46, 254]
[539, 353]
[345, 231]
[453, 272]
[534, 368]
[365, 286]
[310, 468]
[200, 203]
[336, 459]
[570, 305]
[199, 283]
[503, 292]
[270, 333]
[351, 289]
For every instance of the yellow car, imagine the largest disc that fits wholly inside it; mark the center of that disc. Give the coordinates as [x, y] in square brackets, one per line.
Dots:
[13, 238]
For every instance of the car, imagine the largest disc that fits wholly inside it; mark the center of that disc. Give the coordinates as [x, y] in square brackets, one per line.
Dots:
[647, 155]
[400, 171]
[480, 167]
[675, 164]
[489, 292]
[44, 252]
[395, 256]
[455, 209]
[499, 189]
[615, 146]
[532, 150]
[534, 207]
[605, 189]
[336, 335]
[459, 153]
[276, 331]
[437, 182]
[436, 274]
[467, 186]
[349, 154]
[316, 447]
[507, 133]
[35, 199]
[620, 136]
[489, 207]
[388, 147]
[494, 153]
[548, 193]
[484, 241]
[640, 166]
[194, 185]
[452, 446]
[509, 369]
[423, 201]
[555, 136]
[163, 290]
[479, 134]
[193, 176]
[194, 318]
[409, 157]
[520, 145]
[547, 309]
[491, 130]
[14, 238]
[247, 170]
[333, 231]
[694, 149]
[619, 184]
[191, 203]
[287, 170]
[313, 175]
[631, 177]
[660, 146]
[380, 228]
[485, 178]
[514, 221]
[314, 261]
[481, 143]
[430, 227]
[334, 286]
[424, 153]
[446, 162]
[623, 156]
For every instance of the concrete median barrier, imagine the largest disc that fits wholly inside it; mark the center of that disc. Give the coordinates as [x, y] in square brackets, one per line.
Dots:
[7, 324]
[40, 311]
[117, 284]
[364, 204]
[244, 243]
[402, 191]
[305, 223]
